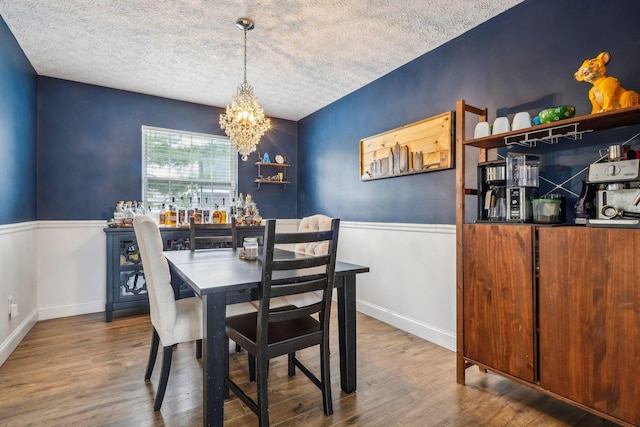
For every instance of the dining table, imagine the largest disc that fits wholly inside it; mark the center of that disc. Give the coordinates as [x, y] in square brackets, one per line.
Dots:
[220, 277]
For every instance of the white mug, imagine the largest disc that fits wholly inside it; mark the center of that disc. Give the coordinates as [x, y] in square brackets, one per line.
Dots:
[481, 130]
[521, 120]
[501, 125]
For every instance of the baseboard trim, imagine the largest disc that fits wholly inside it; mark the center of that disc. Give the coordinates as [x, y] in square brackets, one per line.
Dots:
[12, 341]
[420, 329]
[45, 313]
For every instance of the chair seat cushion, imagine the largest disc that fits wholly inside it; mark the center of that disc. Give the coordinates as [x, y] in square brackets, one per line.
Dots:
[246, 324]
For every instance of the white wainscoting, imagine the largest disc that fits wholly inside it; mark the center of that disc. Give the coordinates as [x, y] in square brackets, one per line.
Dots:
[18, 262]
[72, 268]
[58, 269]
[412, 282]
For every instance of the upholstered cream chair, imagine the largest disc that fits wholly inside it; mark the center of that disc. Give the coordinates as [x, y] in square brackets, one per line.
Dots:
[316, 222]
[174, 321]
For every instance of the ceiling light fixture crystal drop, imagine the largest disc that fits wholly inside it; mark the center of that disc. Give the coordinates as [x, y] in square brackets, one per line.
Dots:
[244, 121]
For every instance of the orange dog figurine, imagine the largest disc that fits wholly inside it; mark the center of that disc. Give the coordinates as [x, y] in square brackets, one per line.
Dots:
[606, 93]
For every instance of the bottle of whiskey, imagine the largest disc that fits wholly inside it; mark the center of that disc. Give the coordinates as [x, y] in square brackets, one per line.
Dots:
[172, 214]
[223, 213]
[161, 215]
[216, 215]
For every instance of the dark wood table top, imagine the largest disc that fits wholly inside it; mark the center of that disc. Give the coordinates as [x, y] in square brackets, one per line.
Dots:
[222, 270]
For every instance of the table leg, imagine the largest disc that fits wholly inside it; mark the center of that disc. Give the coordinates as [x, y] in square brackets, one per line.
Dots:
[347, 332]
[213, 345]
[176, 282]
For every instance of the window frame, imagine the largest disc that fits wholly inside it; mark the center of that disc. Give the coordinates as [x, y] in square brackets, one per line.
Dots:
[225, 189]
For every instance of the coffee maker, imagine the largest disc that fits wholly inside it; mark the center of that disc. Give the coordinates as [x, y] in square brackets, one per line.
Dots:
[618, 190]
[522, 186]
[492, 191]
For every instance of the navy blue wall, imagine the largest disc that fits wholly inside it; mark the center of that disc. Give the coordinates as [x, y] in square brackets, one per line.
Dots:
[17, 132]
[522, 60]
[88, 137]
[89, 149]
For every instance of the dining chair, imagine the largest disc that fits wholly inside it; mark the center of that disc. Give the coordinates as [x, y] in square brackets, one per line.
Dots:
[271, 332]
[212, 235]
[207, 236]
[174, 321]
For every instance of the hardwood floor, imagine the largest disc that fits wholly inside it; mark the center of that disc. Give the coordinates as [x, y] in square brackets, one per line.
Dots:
[82, 371]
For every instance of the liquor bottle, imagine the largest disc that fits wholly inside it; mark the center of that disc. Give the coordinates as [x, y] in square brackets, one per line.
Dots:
[167, 215]
[257, 218]
[172, 214]
[206, 211]
[118, 214]
[216, 215]
[223, 213]
[197, 212]
[181, 212]
[232, 209]
[240, 206]
[190, 210]
[161, 215]
[128, 214]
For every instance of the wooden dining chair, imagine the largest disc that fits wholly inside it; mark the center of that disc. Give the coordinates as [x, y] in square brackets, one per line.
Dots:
[212, 235]
[174, 321]
[273, 332]
[207, 236]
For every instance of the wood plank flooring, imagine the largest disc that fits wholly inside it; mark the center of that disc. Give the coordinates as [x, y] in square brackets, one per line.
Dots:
[82, 371]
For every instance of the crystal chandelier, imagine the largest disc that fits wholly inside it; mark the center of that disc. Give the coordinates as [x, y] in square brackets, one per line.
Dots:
[244, 121]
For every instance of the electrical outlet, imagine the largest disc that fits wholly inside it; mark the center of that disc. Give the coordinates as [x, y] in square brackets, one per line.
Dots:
[10, 305]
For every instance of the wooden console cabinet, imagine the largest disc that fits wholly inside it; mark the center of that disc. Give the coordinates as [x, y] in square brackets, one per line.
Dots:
[498, 303]
[589, 317]
[554, 308]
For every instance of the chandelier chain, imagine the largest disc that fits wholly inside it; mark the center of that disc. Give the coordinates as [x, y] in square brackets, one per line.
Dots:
[245, 55]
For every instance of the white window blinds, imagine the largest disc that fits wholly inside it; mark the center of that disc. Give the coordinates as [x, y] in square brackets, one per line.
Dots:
[187, 167]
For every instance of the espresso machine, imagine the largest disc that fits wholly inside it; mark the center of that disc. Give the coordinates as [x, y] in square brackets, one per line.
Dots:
[618, 190]
[492, 191]
[522, 186]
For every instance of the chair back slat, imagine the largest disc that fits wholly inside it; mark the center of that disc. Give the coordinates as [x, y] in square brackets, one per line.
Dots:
[300, 263]
[286, 273]
[298, 287]
[303, 237]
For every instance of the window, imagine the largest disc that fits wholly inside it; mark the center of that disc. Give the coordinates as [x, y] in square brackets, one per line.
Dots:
[191, 167]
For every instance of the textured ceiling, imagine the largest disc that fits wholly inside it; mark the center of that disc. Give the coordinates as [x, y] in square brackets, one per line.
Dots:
[302, 54]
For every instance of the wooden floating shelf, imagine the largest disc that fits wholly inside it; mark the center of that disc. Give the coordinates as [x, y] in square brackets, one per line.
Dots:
[590, 122]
